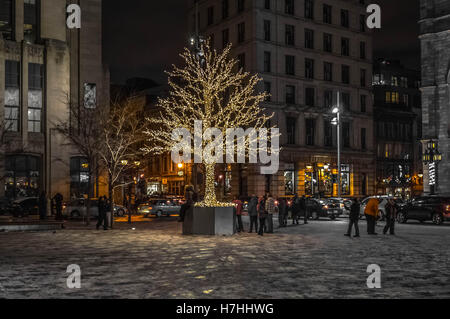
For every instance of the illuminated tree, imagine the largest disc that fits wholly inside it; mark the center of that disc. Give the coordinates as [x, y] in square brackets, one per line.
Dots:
[210, 88]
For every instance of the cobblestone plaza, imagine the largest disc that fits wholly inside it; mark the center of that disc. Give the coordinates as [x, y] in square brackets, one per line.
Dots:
[155, 261]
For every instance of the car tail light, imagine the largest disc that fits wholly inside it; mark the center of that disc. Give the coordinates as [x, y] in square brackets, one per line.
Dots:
[447, 208]
[325, 207]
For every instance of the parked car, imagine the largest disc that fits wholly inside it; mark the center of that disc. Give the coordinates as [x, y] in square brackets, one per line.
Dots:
[426, 208]
[25, 206]
[5, 206]
[330, 208]
[160, 207]
[77, 208]
[382, 201]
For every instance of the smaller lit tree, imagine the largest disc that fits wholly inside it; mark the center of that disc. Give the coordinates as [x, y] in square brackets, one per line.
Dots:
[122, 133]
[82, 131]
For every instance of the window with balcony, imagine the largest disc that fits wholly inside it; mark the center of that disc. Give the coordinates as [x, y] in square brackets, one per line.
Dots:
[267, 61]
[7, 19]
[290, 35]
[345, 47]
[310, 97]
[241, 32]
[267, 30]
[35, 86]
[31, 20]
[290, 94]
[289, 7]
[345, 18]
[328, 71]
[310, 131]
[12, 95]
[327, 14]
[309, 39]
[345, 74]
[327, 42]
[291, 129]
[290, 64]
[309, 68]
[309, 9]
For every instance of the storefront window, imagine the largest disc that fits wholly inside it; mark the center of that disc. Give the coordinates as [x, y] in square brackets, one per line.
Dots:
[22, 178]
[289, 182]
[325, 180]
[345, 179]
[79, 177]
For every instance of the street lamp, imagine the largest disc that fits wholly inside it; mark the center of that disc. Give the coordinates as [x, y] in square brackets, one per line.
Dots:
[337, 121]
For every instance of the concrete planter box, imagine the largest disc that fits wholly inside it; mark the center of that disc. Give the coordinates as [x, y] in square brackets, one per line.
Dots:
[210, 221]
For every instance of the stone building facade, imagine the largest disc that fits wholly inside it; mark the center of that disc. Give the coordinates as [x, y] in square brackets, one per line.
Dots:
[45, 68]
[306, 52]
[398, 127]
[435, 43]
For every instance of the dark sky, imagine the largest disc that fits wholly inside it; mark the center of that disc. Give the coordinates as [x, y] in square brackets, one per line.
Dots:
[144, 37]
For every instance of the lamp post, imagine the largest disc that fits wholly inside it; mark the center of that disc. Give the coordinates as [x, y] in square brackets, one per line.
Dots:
[337, 121]
[432, 157]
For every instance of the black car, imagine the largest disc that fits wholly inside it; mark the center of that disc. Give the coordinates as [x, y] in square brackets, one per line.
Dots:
[434, 208]
[328, 208]
[25, 206]
[5, 206]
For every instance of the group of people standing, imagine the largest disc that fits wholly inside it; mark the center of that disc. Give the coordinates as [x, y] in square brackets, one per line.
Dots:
[371, 211]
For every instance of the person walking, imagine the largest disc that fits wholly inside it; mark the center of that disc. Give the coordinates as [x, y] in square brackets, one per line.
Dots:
[253, 213]
[238, 205]
[58, 200]
[102, 207]
[189, 201]
[391, 216]
[304, 209]
[282, 212]
[42, 204]
[271, 209]
[371, 212]
[295, 209]
[354, 218]
[262, 215]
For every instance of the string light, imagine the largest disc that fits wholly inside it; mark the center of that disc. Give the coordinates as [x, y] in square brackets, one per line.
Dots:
[211, 91]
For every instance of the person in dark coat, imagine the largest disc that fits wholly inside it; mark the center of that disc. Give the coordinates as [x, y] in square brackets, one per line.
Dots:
[58, 200]
[262, 215]
[304, 209]
[189, 195]
[102, 208]
[354, 218]
[282, 212]
[295, 209]
[253, 213]
[271, 210]
[391, 216]
[42, 206]
[238, 210]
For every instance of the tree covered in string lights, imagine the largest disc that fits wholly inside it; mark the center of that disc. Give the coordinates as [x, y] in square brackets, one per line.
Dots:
[209, 88]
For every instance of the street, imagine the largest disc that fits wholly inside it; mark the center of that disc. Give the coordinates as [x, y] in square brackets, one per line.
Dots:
[155, 261]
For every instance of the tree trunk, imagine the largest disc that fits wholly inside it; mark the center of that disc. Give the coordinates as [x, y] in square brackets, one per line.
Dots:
[210, 189]
[111, 200]
[88, 205]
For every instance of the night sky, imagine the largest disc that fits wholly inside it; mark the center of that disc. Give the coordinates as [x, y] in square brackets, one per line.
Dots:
[143, 38]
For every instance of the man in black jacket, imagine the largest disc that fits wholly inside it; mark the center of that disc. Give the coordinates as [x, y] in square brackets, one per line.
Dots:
[253, 213]
[102, 208]
[295, 209]
[354, 218]
[304, 209]
[391, 216]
